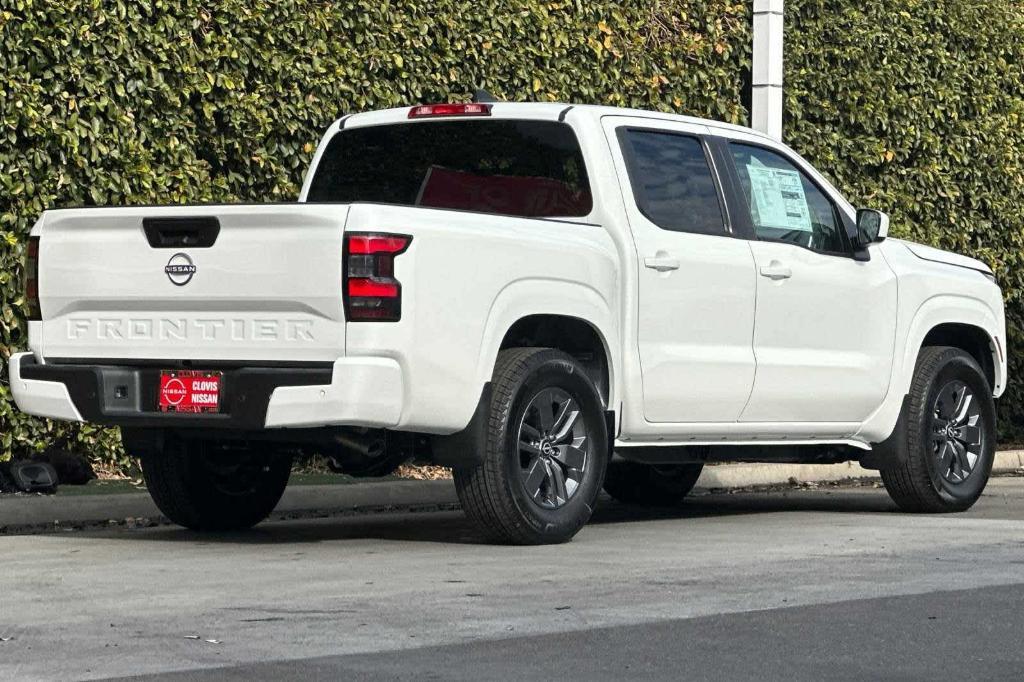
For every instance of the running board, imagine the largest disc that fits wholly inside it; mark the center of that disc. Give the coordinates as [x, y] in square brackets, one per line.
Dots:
[783, 453]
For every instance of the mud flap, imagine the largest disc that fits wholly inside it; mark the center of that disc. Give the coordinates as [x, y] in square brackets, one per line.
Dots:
[892, 451]
[609, 421]
[465, 448]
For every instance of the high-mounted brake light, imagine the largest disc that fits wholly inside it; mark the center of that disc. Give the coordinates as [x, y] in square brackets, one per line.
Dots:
[371, 292]
[32, 279]
[430, 110]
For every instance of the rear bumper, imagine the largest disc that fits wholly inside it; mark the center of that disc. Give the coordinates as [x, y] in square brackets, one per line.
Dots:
[356, 391]
[41, 397]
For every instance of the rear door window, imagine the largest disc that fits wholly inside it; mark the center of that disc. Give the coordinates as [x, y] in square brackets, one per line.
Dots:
[522, 168]
[673, 184]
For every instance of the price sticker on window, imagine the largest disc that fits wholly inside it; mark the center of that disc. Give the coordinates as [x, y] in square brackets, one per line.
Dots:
[778, 195]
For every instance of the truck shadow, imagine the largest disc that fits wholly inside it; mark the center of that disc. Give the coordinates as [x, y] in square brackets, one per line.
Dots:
[707, 505]
[449, 526]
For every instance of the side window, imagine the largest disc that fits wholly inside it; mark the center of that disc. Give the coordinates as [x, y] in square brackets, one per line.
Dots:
[672, 182]
[784, 204]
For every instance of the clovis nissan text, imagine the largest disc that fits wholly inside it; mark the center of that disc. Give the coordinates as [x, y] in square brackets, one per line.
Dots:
[547, 298]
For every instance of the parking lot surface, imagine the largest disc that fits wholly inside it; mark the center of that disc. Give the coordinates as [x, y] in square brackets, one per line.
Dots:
[790, 584]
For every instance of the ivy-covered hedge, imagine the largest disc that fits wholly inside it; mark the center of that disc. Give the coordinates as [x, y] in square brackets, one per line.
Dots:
[917, 107]
[912, 106]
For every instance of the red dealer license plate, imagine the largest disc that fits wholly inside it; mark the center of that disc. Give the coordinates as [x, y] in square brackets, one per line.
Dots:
[189, 390]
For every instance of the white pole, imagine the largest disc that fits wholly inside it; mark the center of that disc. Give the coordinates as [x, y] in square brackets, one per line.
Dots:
[766, 100]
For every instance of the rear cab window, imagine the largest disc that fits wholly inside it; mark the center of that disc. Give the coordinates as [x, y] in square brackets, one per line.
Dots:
[526, 168]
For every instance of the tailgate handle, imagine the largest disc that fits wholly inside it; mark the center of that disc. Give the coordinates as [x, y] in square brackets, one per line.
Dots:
[174, 233]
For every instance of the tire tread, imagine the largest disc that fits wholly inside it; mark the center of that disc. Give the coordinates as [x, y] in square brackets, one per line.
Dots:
[909, 484]
[483, 490]
[177, 492]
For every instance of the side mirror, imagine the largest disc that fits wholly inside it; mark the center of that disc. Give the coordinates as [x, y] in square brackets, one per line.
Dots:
[872, 226]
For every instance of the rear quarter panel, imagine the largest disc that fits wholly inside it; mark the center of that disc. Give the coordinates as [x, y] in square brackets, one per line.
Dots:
[466, 278]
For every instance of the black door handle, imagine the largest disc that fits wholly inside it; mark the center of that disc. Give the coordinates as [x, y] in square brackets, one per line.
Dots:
[175, 233]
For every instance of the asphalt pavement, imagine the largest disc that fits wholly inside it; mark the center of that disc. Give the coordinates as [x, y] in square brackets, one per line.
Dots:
[787, 584]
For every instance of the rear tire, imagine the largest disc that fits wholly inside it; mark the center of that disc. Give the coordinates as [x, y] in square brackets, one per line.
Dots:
[950, 435]
[206, 487]
[546, 451]
[648, 485]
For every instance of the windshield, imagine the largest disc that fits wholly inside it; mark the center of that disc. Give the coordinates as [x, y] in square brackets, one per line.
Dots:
[522, 168]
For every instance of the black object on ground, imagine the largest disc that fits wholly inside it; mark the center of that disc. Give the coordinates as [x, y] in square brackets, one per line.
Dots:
[72, 468]
[27, 476]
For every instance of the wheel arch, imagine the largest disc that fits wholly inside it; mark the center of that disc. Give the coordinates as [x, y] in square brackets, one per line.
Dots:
[546, 313]
[571, 317]
[573, 335]
[972, 339]
[957, 321]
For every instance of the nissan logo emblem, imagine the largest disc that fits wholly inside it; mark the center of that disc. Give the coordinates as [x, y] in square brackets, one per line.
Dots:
[180, 269]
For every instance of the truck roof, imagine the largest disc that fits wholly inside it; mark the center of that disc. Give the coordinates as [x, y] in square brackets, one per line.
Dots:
[543, 111]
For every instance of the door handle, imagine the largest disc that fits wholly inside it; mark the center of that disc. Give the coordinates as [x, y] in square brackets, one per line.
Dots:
[662, 263]
[776, 271]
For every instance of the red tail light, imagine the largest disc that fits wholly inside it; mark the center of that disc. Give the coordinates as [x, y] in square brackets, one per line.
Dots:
[371, 292]
[32, 279]
[430, 110]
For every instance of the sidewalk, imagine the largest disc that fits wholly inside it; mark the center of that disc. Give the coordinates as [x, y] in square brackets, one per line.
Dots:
[28, 513]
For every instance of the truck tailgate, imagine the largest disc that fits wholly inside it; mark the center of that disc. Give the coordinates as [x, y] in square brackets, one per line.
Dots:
[267, 289]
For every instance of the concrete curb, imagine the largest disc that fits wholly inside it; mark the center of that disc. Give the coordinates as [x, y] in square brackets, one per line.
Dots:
[22, 513]
[36, 512]
[746, 475]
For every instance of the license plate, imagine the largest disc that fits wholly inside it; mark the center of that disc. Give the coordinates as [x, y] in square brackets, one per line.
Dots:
[189, 390]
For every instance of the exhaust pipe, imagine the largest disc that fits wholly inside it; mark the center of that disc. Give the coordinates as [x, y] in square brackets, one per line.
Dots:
[372, 445]
[367, 452]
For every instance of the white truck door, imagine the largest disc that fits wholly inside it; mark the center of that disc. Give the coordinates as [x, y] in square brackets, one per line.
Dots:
[696, 281]
[825, 322]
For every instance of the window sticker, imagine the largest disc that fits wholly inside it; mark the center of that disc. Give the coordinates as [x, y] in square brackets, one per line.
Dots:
[779, 198]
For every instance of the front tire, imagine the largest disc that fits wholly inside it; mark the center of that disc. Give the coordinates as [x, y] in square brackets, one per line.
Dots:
[950, 435]
[546, 451]
[207, 487]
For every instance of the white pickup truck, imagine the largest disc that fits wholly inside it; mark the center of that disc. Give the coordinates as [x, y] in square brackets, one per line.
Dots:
[548, 298]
